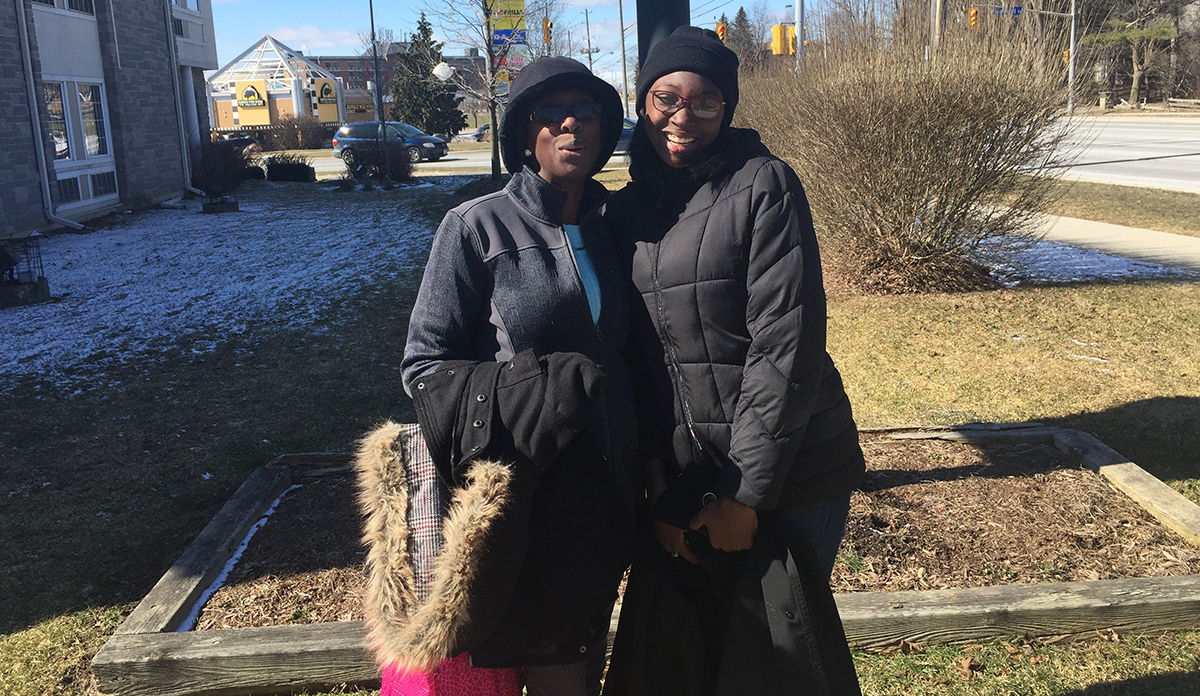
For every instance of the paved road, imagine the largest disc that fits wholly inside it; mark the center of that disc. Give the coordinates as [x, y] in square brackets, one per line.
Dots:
[329, 167]
[1157, 151]
[454, 164]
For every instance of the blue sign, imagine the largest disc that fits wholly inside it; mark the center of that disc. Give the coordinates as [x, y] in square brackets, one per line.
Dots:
[515, 37]
[1001, 11]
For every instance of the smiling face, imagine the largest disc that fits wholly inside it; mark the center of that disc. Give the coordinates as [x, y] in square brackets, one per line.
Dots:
[681, 138]
[565, 152]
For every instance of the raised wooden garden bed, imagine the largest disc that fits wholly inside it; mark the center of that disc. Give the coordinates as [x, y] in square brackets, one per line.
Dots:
[147, 656]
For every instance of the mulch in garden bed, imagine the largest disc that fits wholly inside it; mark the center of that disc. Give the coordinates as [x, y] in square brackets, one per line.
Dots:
[929, 515]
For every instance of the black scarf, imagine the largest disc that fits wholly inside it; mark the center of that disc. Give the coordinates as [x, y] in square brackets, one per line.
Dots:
[670, 186]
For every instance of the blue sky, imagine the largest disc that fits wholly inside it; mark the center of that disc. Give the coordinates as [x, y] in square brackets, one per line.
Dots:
[322, 27]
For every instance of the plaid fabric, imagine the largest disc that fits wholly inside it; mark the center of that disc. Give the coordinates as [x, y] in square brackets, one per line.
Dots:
[428, 500]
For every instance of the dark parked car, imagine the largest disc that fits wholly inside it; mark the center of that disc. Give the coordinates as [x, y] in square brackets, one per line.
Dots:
[626, 136]
[480, 134]
[360, 143]
[239, 141]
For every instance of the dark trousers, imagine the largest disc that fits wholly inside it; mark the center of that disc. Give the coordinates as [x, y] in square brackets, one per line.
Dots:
[822, 525]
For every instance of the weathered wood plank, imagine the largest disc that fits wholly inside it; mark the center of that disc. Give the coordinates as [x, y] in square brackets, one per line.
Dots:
[980, 436]
[1134, 605]
[282, 658]
[267, 660]
[942, 428]
[1174, 511]
[168, 603]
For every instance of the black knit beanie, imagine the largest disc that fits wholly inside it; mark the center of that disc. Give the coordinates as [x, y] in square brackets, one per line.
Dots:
[697, 50]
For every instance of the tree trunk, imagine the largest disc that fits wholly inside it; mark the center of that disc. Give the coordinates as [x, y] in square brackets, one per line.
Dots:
[1137, 76]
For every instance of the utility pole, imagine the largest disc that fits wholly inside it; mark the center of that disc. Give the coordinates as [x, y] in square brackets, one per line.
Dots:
[935, 27]
[489, 73]
[1071, 67]
[382, 130]
[799, 32]
[587, 26]
[625, 71]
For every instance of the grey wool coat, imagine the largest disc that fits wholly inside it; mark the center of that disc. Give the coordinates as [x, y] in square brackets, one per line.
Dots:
[502, 295]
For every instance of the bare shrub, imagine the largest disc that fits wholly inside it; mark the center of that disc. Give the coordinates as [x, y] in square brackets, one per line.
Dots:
[920, 172]
[303, 132]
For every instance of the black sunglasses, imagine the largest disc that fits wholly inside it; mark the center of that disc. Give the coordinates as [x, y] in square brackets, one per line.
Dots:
[555, 115]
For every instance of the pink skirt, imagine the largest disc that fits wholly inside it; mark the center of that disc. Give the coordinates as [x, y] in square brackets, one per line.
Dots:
[454, 677]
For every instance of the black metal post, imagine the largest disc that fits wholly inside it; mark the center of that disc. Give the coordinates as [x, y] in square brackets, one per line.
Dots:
[379, 113]
[656, 19]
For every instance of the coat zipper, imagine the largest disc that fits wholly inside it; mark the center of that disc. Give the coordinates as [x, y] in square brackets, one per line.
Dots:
[680, 388]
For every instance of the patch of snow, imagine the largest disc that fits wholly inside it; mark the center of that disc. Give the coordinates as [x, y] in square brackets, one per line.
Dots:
[163, 279]
[1046, 262]
[190, 621]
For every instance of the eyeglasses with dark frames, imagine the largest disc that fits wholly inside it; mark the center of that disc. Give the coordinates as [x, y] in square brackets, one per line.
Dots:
[555, 115]
[701, 107]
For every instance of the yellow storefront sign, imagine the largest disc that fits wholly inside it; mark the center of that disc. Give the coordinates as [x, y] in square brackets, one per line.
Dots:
[327, 108]
[508, 14]
[251, 99]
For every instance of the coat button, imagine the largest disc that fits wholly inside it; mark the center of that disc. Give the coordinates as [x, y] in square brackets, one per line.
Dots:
[583, 648]
[789, 614]
[481, 398]
[478, 424]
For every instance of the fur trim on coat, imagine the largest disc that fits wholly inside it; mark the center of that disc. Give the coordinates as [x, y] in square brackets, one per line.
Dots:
[402, 630]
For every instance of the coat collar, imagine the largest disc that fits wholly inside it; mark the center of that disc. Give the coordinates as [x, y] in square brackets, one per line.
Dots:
[545, 201]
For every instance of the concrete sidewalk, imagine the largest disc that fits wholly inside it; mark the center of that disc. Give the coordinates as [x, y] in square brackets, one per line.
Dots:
[1176, 250]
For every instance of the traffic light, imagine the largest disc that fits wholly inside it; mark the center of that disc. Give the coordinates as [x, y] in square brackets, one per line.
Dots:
[1067, 57]
[973, 17]
[547, 25]
[721, 31]
[783, 39]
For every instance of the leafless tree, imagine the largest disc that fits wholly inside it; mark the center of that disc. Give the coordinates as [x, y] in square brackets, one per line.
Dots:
[762, 17]
[470, 23]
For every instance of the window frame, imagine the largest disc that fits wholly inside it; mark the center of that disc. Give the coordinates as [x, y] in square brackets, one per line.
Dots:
[106, 135]
[72, 146]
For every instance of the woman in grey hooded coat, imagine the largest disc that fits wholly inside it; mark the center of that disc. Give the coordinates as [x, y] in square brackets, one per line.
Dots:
[524, 284]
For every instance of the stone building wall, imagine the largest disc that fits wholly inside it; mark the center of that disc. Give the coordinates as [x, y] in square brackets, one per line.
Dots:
[20, 181]
[141, 92]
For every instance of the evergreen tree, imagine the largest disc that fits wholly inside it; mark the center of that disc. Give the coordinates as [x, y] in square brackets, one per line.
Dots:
[739, 36]
[419, 98]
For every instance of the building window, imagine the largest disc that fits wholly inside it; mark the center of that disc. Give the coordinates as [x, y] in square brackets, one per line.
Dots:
[182, 3]
[177, 27]
[104, 184]
[45, 2]
[81, 6]
[68, 190]
[57, 119]
[91, 110]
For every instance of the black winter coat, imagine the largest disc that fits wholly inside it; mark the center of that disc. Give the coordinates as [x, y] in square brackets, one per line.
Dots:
[761, 622]
[552, 562]
[731, 330]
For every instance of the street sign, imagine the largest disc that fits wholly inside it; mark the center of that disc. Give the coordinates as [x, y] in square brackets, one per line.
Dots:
[1002, 11]
[514, 37]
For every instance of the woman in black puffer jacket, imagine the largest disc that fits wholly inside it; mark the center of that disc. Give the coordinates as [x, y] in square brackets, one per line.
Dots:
[744, 417]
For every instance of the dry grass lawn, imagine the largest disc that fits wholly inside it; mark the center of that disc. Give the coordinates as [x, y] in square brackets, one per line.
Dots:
[1133, 206]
